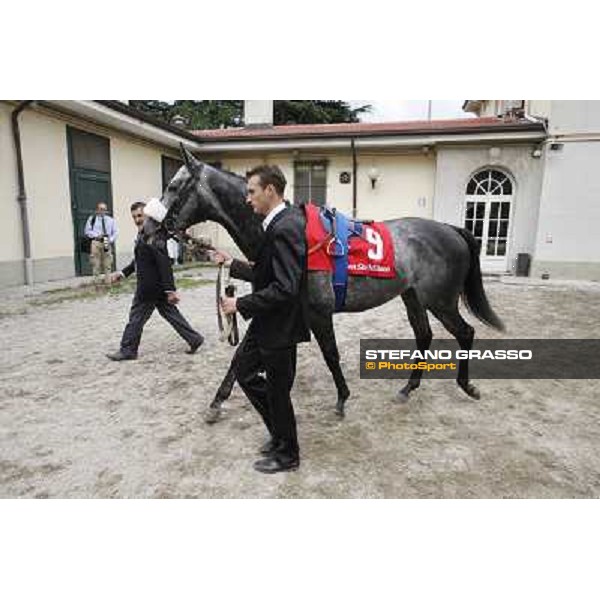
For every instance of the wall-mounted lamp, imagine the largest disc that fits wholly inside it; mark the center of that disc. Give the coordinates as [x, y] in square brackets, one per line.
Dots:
[536, 152]
[373, 176]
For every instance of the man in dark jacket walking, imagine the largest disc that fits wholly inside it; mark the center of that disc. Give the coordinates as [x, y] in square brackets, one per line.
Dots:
[155, 290]
[278, 313]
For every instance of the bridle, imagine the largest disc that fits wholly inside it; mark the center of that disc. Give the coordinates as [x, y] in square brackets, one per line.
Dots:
[168, 223]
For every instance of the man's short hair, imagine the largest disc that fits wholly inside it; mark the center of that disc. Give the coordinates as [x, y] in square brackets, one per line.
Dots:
[269, 175]
[137, 205]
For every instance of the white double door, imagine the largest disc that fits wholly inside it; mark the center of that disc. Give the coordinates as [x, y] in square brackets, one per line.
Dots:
[488, 218]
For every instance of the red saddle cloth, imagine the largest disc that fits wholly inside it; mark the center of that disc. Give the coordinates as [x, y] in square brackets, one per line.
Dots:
[370, 254]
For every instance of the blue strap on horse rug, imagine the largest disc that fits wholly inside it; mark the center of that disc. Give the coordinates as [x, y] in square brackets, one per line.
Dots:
[339, 226]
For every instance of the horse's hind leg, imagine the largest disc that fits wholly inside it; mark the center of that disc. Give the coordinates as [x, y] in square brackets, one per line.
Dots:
[322, 326]
[464, 334]
[213, 413]
[417, 316]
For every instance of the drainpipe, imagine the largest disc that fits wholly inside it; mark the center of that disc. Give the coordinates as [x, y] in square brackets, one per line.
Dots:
[22, 196]
[354, 169]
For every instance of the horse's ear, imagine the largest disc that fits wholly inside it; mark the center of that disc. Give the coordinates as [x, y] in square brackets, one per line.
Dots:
[193, 165]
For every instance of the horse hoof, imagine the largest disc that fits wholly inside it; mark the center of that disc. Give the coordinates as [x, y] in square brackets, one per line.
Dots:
[401, 397]
[212, 415]
[471, 391]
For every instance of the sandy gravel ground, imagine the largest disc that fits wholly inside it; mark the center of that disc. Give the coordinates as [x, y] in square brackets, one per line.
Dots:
[74, 425]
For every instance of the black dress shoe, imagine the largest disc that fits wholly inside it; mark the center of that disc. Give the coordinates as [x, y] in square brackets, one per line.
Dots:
[268, 448]
[192, 349]
[120, 356]
[276, 464]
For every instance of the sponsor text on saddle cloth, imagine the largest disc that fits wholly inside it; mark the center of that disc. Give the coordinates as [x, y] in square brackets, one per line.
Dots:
[344, 247]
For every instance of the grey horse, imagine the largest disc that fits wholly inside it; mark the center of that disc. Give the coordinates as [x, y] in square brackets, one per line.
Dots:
[440, 261]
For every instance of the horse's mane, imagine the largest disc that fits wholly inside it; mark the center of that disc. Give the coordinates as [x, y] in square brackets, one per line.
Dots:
[230, 173]
[222, 180]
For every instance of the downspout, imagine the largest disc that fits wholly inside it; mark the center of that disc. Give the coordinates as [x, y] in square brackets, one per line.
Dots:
[354, 169]
[22, 196]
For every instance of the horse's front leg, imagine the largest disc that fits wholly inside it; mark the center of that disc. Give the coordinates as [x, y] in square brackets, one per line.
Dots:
[213, 413]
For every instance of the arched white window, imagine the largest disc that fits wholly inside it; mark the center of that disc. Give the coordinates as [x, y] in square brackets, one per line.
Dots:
[489, 182]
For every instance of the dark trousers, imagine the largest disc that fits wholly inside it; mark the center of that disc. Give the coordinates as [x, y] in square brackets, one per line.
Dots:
[141, 311]
[270, 393]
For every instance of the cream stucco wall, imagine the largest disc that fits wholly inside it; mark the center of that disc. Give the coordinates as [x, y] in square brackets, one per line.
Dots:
[44, 143]
[567, 243]
[568, 117]
[570, 210]
[44, 150]
[136, 174]
[405, 186]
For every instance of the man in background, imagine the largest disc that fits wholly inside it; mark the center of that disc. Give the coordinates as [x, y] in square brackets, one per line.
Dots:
[155, 290]
[173, 250]
[102, 230]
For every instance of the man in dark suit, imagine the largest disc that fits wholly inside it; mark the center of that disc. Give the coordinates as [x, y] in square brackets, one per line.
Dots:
[155, 290]
[277, 308]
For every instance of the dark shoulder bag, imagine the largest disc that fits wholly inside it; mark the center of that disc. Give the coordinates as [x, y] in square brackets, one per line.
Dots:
[85, 243]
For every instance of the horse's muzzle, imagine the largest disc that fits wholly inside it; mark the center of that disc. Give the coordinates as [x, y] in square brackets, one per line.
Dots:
[150, 227]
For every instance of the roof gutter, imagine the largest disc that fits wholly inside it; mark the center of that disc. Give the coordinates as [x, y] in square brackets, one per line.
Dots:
[22, 195]
[268, 135]
[368, 143]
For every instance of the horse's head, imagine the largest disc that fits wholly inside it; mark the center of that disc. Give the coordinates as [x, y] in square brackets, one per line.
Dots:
[199, 192]
[185, 201]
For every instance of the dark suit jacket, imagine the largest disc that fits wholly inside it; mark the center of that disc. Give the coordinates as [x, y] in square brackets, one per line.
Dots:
[154, 271]
[278, 304]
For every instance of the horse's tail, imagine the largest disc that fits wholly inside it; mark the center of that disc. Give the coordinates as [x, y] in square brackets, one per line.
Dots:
[473, 292]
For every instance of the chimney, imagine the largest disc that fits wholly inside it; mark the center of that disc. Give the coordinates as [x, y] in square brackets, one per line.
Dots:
[258, 113]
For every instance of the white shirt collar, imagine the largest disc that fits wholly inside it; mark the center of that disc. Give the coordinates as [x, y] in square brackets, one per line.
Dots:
[274, 212]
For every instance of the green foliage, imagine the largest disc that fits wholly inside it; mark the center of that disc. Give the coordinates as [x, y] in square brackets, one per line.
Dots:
[210, 114]
[297, 112]
[198, 114]
[215, 114]
[154, 108]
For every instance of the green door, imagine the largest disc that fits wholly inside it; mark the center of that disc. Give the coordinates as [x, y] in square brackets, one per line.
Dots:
[88, 189]
[89, 170]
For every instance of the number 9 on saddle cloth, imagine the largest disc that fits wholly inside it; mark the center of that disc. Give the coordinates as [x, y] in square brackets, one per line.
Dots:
[345, 247]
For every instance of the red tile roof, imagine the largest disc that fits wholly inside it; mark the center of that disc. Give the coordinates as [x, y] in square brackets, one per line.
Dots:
[474, 125]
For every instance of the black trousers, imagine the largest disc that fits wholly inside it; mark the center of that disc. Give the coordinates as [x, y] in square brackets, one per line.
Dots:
[141, 311]
[270, 393]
